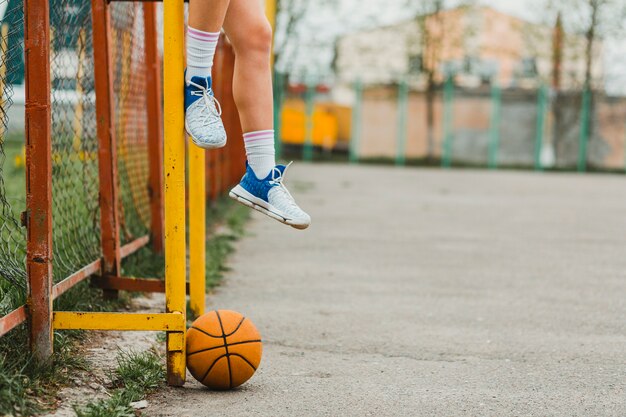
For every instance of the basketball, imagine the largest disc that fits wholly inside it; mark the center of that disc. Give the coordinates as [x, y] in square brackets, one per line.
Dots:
[223, 349]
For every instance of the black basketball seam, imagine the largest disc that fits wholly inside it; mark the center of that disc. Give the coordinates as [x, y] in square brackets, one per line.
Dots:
[246, 360]
[218, 336]
[221, 346]
[237, 328]
[206, 333]
[211, 367]
[230, 372]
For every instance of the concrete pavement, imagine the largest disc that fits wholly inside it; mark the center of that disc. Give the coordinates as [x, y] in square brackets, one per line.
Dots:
[435, 293]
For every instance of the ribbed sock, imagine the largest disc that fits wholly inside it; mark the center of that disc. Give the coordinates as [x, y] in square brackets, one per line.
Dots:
[260, 151]
[200, 51]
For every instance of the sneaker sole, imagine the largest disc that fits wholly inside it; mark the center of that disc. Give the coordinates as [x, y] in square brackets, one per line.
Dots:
[244, 197]
[204, 145]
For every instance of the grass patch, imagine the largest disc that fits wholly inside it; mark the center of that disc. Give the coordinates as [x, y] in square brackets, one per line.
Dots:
[226, 220]
[27, 387]
[137, 374]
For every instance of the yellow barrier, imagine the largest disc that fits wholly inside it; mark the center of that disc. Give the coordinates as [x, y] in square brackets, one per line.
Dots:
[174, 163]
[197, 229]
[325, 125]
[67, 320]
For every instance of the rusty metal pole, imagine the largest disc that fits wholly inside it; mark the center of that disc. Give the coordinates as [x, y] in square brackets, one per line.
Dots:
[107, 149]
[155, 122]
[38, 175]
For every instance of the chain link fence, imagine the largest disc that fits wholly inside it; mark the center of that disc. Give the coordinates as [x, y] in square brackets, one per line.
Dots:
[129, 86]
[75, 175]
[12, 175]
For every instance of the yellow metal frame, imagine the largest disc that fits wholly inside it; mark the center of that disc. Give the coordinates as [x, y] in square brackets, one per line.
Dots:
[69, 320]
[173, 321]
[197, 230]
[270, 12]
[174, 164]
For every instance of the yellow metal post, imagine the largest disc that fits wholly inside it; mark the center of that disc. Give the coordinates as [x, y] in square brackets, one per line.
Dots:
[197, 229]
[71, 320]
[270, 12]
[174, 164]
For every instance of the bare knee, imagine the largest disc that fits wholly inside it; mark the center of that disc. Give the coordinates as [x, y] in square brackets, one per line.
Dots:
[256, 39]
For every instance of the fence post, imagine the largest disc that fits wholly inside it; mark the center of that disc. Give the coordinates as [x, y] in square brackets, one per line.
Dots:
[279, 96]
[107, 144]
[4, 34]
[307, 149]
[174, 163]
[403, 96]
[448, 134]
[494, 128]
[38, 176]
[155, 123]
[584, 130]
[541, 121]
[356, 122]
[197, 229]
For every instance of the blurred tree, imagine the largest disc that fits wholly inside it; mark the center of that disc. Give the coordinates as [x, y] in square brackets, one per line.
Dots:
[596, 19]
[434, 30]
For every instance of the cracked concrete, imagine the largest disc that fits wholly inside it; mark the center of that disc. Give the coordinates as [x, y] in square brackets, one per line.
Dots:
[428, 292]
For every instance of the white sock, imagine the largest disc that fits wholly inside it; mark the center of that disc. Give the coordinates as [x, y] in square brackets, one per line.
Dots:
[200, 51]
[260, 151]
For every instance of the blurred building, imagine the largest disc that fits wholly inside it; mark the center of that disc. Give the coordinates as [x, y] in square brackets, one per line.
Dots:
[475, 44]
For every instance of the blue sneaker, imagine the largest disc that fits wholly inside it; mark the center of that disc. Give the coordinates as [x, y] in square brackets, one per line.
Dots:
[203, 120]
[270, 197]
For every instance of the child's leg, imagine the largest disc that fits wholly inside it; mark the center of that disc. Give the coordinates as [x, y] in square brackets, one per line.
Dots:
[202, 114]
[207, 16]
[251, 36]
[261, 188]
[205, 23]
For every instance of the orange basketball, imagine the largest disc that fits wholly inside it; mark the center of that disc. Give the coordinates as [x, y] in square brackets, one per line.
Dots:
[223, 349]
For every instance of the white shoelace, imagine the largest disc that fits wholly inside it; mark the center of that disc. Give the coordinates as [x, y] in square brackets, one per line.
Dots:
[277, 178]
[210, 101]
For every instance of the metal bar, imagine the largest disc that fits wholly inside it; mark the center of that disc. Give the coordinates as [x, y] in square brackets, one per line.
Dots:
[38, 176]
[583, 139]
[72, 320]
[174, 163]
[12, 320]
[75, 278]
[270, 12]
[132, 284]
[403, 97]
[279, 97]
[309, 96]
[356, 122]
[494, 126]
[448, 129]
[107, 149]
[129, 284]
[132, 247]
[155, 123]
[541, 122]
[197, 229]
